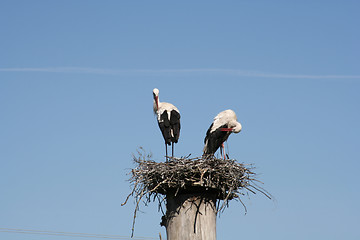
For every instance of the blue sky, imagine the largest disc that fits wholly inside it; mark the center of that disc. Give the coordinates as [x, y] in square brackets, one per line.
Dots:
[76, 80]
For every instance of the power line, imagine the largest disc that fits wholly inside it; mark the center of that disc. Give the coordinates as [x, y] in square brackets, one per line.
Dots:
[70, 234]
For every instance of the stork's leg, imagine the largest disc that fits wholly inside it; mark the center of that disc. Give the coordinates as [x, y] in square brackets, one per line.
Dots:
[223, 149]
[166, 155]
[172, 149]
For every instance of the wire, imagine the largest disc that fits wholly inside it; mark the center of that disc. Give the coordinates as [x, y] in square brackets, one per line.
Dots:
[70, 234]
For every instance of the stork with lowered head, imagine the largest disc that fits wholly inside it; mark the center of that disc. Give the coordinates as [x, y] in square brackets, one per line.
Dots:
[219, 131]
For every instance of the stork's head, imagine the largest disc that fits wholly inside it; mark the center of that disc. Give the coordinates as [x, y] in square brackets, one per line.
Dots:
[237, 128]
[156, 99]
[156, 92]
[234, 127]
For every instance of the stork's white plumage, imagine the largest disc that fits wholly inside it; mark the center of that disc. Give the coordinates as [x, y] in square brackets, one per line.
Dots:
[223, 125]
[168, 117]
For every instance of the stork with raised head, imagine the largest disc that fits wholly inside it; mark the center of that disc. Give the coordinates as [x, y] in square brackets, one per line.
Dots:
[223, 125]
[168, 117]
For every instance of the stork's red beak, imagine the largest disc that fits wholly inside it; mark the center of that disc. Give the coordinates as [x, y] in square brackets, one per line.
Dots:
[226, 129]
[157, 102]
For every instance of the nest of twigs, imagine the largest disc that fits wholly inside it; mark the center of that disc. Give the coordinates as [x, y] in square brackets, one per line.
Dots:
[226, 178]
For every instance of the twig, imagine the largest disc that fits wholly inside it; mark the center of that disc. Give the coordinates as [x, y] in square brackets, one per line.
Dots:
[127, 198]
[136, 209]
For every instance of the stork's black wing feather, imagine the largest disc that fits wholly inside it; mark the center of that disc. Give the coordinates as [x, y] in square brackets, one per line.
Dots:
[215, 139]
[164, 125]
[175, 125]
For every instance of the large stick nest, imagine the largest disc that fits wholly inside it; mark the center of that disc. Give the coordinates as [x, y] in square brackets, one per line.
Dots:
[226, 178]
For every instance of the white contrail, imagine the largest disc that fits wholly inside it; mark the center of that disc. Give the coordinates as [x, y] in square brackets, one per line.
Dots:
[234, 72]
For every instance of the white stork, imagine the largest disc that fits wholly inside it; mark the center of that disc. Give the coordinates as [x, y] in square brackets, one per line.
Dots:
[223, 125]
[168, 117]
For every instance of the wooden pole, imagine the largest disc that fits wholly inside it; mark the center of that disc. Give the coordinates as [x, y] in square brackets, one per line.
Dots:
[191, 216]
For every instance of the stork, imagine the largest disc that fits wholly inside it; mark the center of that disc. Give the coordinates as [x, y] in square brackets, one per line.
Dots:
[168, 117]
[223, 125]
